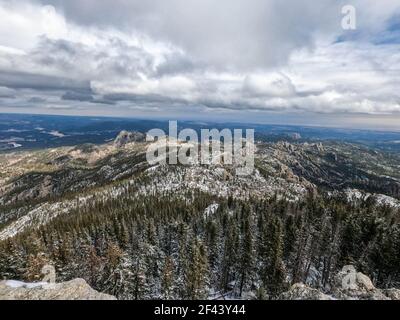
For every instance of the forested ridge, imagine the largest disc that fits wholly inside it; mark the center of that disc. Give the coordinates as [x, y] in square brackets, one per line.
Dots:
[173, 248]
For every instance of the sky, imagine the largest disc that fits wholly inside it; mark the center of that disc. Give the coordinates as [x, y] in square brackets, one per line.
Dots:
[266, 61]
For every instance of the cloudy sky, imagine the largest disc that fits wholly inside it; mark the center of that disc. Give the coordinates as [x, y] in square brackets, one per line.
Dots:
[269, 61]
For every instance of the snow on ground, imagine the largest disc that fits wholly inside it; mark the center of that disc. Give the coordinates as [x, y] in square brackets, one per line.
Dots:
[354, 195]
[40, 215]
[165, 179]
[15, 145]
[388, 201]
[19, 284]
[56, 134]
[211, 209]
[217, 181]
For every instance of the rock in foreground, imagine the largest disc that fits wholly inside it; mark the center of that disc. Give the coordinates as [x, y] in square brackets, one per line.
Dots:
[349, 285]
[300, 291]
[76, 289]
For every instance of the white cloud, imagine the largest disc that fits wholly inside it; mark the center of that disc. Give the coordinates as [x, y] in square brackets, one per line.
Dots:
[22, 22]
[225, 55]
[276, 85]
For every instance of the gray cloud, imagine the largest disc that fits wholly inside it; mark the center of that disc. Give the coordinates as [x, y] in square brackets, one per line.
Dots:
[36, 100]
[24, 80]
[177, 63]
[140, 98]
[7, 93]
[82, 96]
[225, 33]
[77, 96]
[194, 56]
[114, 57]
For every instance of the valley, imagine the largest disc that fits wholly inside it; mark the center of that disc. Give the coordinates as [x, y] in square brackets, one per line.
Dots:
[80, 206]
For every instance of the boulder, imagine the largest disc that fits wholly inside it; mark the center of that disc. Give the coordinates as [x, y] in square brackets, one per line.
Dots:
[76, 289]
[348, 285]
[393, 294]
[126, 137]
[352, 282]
[300, 291]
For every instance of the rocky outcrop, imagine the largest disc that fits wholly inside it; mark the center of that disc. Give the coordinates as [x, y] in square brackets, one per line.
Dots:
[351, 282]
[393, 294]
[126, 137]
[349, 285]
[300, 291]
[76, 289]
[294, 136]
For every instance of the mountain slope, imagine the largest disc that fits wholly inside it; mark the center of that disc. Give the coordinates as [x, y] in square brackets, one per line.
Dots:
[102, 213]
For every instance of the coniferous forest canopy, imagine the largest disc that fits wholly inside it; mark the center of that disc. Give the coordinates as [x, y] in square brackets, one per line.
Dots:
[168, 247]
[101, 212]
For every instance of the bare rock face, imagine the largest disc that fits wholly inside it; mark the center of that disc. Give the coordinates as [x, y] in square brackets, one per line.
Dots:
[295, 136]
[300, 291]
[318, 147]
[76, 289]
[352, 282]
[393, 294]
[349, 285]
[126, 137]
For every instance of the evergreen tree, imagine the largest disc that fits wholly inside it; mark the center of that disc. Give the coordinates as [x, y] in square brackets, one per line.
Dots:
[247, 252]
[167, 285]
[198, 273]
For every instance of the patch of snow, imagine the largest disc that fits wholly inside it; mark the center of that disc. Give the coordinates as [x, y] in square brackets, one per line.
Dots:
[151, 169]
[19, 284]
[387, 201]
[56, 134]
[14, 130]
[211, 209]
[15, 145]
[12, 139]
[381, 199]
